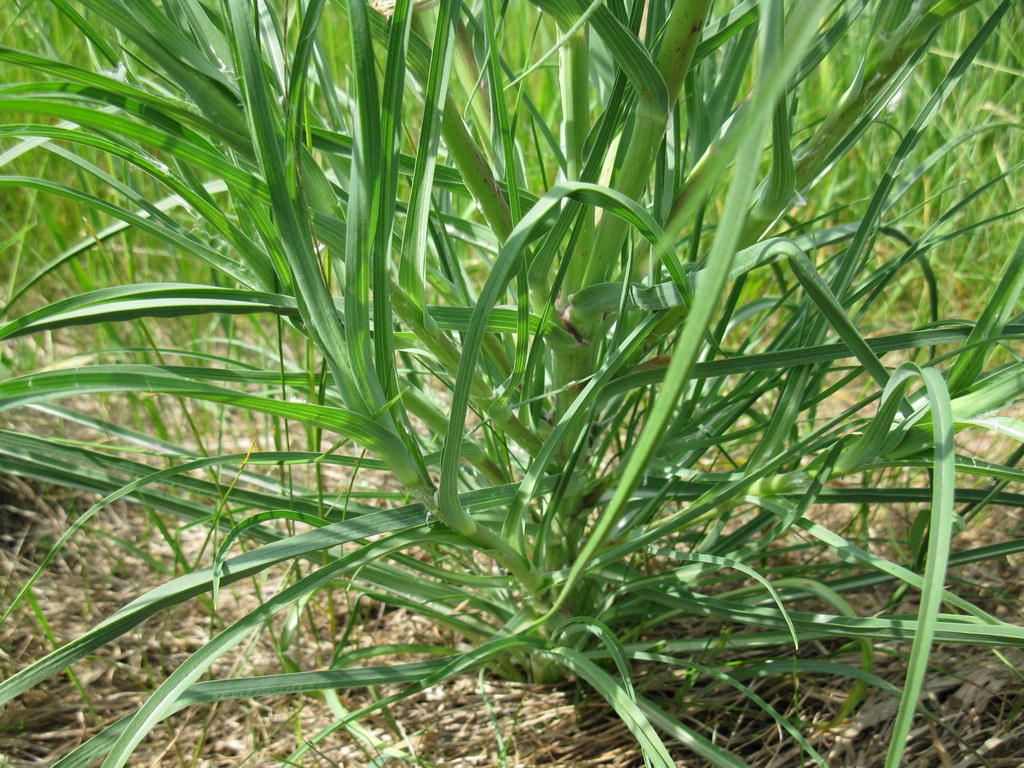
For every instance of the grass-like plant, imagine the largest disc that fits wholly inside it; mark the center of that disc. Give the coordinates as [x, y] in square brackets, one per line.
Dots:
[584, 279]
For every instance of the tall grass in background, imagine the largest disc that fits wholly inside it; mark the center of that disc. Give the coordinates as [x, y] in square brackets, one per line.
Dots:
[602, 306]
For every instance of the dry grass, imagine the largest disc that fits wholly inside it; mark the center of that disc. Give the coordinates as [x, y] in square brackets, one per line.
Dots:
[975, 695]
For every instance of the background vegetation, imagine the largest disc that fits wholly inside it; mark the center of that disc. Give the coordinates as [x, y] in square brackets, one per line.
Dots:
[665, 347]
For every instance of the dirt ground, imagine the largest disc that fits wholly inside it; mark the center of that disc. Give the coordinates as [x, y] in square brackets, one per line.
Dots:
[975, 696]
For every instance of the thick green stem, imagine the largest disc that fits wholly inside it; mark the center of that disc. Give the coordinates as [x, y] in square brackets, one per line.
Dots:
[574, 60]
[479, 178]
[468, 73]
[682, 33]
[679, 42]
[632, 181]
[476, 173]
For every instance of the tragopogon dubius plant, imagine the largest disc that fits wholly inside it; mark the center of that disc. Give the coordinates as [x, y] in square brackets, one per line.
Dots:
[563, 326]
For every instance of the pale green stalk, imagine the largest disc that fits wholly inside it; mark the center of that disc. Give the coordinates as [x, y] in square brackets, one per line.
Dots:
[682, 33]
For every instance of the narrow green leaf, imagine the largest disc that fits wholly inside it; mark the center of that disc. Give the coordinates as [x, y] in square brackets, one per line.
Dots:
[56, 384]
[617, 696]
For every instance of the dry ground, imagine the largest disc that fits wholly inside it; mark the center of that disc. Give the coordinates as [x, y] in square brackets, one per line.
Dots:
[974, 695]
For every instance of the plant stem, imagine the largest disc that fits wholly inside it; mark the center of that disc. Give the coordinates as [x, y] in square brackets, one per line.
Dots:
[574, 60]
[468, 74]
[682, 33]
[476, 173]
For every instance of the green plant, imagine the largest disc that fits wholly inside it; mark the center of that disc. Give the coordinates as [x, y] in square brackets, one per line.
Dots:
[602, 365]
